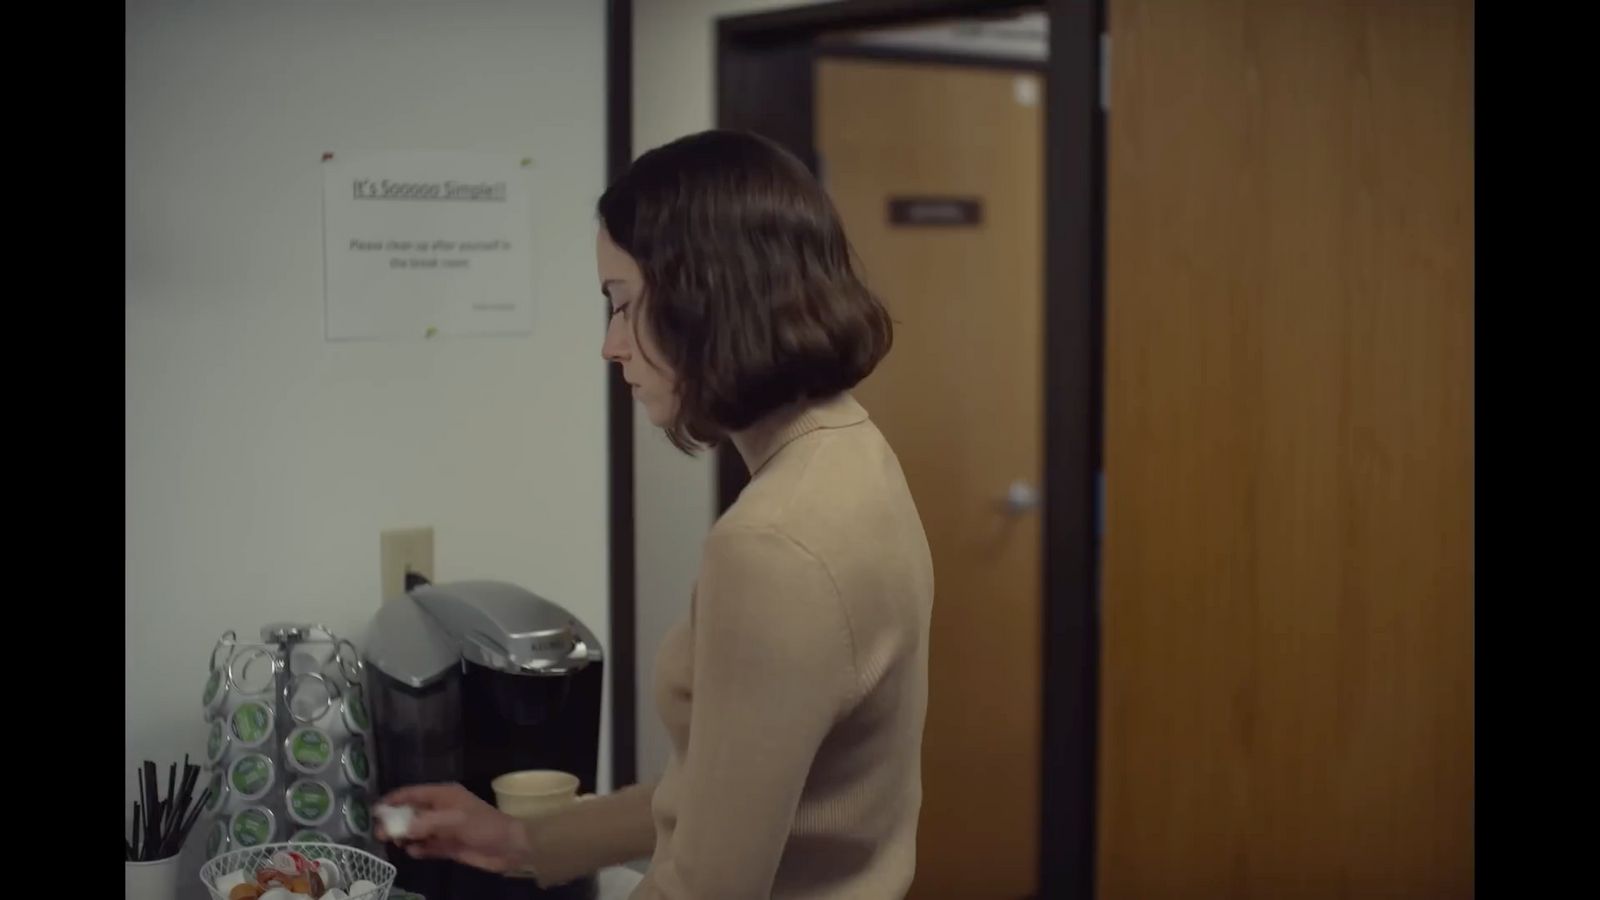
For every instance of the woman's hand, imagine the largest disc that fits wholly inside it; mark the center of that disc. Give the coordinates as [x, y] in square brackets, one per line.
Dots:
[450, 822]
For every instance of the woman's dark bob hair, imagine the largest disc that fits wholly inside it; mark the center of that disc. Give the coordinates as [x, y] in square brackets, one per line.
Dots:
[749, 286]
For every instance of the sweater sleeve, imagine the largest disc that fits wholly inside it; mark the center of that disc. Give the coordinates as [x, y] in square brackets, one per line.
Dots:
[774, 669]
[587, 836]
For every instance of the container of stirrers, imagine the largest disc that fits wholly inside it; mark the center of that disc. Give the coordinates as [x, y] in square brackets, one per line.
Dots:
[160, 827]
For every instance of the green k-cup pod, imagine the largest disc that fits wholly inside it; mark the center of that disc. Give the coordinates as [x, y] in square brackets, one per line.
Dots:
[310, 802]
[355, 712]
[250, 776]
[251, 723]
[357, 766]
[326, 857]
[217, 740]
[217, 839]
[216, 691]
[252, 827]
[357, 817]
[218, 786]
[308, 750]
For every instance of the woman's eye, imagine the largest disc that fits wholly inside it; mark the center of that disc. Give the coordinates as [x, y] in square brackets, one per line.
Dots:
[619, 310]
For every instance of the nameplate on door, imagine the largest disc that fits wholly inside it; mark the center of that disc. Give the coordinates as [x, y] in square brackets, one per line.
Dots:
[935, 211]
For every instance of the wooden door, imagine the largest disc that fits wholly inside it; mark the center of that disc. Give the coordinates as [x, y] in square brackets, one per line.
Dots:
[960, 400]
[1287, 605]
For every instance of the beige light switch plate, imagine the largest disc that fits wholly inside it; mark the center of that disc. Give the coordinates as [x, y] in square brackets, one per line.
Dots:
[401, 550]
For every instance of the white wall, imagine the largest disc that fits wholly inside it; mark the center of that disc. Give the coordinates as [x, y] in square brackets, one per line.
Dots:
[674, 94]
[1023, 35]
[261, 461]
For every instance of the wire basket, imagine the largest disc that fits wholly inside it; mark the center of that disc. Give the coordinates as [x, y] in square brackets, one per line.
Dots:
[354, 865]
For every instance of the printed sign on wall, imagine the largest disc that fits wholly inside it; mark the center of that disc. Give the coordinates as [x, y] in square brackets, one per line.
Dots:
[423, 244]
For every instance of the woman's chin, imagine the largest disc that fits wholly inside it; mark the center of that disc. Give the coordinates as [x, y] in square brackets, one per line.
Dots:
[658, 417]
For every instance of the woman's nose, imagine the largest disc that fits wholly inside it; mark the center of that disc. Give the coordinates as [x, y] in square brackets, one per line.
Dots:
[615, 347]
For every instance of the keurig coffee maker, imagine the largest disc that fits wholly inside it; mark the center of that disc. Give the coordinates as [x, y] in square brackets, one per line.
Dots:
[468, 681]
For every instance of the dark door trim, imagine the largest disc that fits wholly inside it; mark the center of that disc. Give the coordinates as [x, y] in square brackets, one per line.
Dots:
[896, 54]
[765, 85]
[622, 652]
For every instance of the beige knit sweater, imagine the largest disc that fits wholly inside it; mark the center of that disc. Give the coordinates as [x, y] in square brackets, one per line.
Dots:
[794, 693]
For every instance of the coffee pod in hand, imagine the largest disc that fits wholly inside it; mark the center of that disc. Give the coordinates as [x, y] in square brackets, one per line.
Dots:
[396, 819]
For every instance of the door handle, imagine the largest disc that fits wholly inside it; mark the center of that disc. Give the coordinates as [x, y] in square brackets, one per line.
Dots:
[1021, 498]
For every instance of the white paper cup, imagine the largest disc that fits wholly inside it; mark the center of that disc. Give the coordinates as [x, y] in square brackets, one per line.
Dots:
[535, 792]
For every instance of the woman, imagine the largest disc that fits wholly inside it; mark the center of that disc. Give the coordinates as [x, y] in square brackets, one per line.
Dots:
[795, 691]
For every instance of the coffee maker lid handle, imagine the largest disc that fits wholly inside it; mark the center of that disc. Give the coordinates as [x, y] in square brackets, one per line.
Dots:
[407, 645]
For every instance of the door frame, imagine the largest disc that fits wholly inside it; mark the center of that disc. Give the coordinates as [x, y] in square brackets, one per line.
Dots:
[622, 599]
[765, 84]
